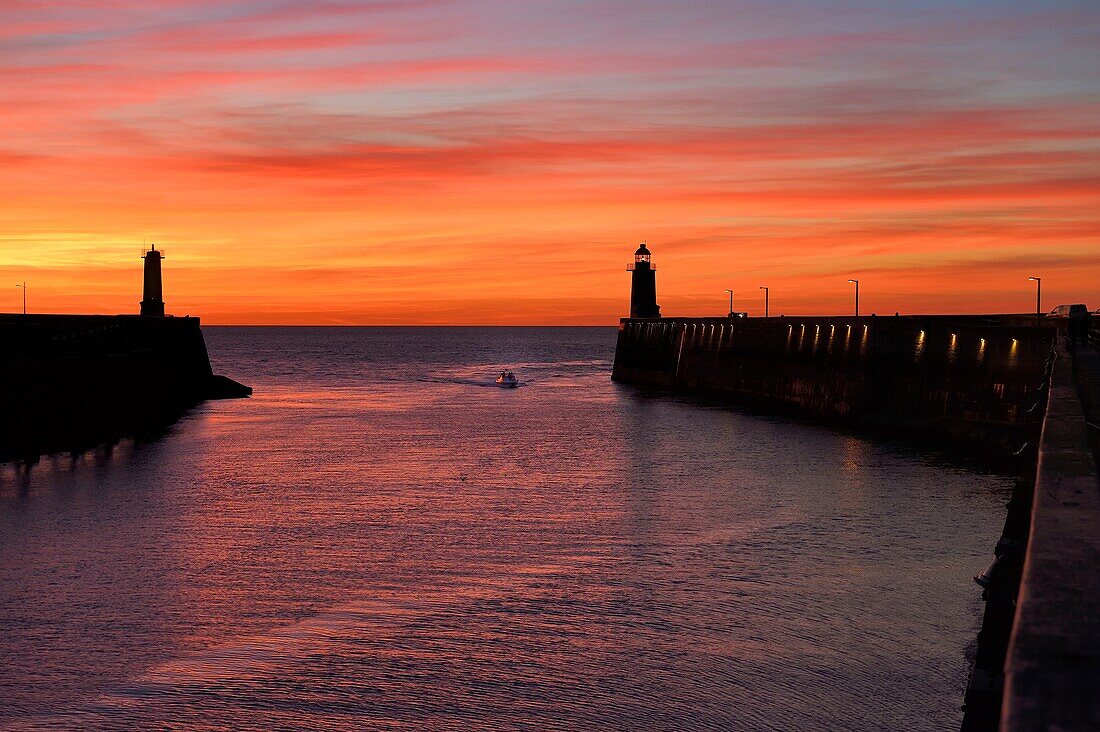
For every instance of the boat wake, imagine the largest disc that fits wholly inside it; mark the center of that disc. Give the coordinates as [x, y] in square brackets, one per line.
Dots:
[528, 374]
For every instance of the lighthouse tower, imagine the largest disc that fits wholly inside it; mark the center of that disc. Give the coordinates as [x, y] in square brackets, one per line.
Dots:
[643, 286]
[152, 300]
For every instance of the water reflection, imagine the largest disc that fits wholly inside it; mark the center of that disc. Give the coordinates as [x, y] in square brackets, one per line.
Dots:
[377, 539]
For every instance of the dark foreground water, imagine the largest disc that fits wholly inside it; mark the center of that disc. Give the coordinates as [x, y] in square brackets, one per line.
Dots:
[379, 539]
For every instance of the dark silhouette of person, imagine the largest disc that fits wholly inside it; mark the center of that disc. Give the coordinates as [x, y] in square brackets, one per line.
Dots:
[1078, 327]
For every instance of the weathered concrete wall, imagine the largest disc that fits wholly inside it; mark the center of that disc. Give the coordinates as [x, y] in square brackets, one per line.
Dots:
[976, 373]
[67, 381]
[1052, 672]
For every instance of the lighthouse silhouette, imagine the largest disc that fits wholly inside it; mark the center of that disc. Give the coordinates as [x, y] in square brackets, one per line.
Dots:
[152, 299]
[643, 286]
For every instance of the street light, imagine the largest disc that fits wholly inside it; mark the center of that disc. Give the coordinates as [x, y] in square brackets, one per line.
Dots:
[856, 283]
[765, 289]
[1038, 294]
[731, 302]
[24, 288]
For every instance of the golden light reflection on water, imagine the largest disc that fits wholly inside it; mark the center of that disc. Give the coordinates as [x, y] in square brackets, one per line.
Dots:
[854, 458]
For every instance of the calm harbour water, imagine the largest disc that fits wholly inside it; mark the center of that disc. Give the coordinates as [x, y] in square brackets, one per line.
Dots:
[380, 539]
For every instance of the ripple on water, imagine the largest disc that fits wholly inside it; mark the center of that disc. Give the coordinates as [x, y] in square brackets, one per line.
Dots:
[374, 542]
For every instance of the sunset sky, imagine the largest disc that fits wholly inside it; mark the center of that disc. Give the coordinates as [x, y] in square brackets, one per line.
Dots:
[452, 161]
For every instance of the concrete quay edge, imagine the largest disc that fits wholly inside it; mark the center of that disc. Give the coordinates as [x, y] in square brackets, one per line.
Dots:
[1052, 672]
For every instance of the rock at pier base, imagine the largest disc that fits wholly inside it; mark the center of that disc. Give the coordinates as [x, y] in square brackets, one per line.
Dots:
[223, 387]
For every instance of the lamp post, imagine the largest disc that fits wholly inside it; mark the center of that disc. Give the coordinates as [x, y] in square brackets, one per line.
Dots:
[1038, 294]
[856, 283]
[731, 302]
[765, 289]
[24, 288]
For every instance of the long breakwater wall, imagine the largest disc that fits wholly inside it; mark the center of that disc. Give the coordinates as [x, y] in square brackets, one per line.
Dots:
[68, 382]
[937, 376]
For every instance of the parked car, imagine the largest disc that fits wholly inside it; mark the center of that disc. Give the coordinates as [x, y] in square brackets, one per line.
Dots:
[1068, 311]
[1076, 324]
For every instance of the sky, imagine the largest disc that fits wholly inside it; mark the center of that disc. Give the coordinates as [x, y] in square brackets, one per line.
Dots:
[497, 162]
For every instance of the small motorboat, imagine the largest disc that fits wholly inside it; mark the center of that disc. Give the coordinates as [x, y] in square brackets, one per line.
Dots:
[507, 380]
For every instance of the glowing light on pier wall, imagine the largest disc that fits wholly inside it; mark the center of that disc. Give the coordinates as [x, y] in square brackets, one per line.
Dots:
[449, 162]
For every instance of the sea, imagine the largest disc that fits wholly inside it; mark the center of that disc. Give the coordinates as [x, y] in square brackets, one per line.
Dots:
[382, 539]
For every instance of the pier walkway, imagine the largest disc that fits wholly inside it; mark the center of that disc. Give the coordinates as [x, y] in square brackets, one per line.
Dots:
[1052, 674]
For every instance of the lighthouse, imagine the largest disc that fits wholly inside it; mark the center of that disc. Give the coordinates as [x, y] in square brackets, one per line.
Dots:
[152, 300]
[643, 286]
